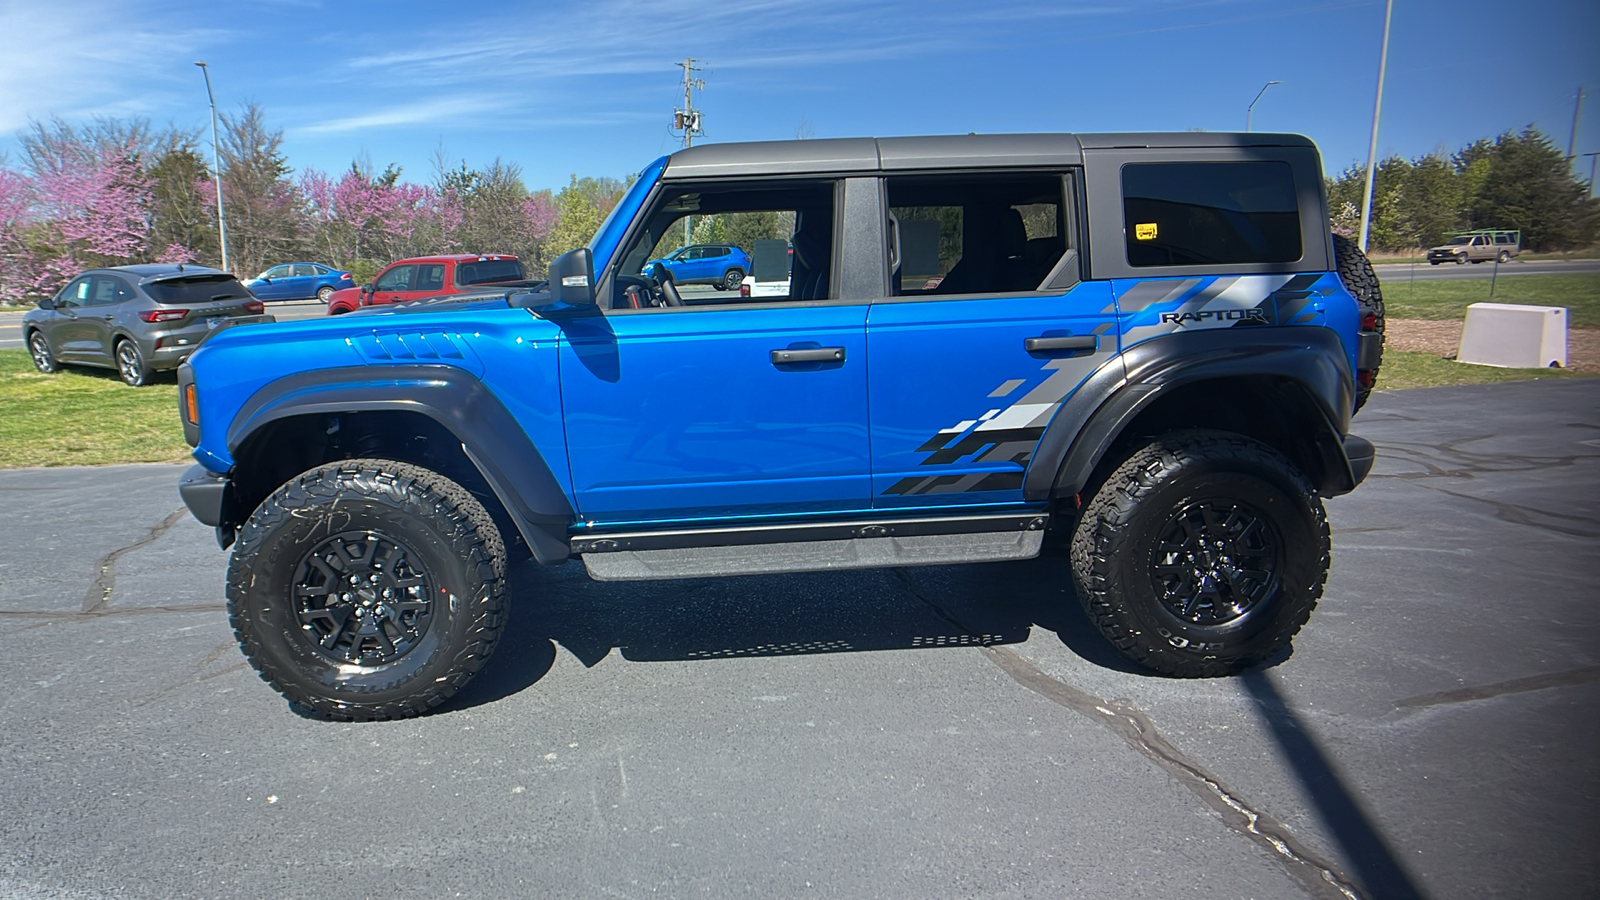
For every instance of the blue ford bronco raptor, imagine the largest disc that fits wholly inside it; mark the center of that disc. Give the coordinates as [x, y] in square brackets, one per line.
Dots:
[1143, 350]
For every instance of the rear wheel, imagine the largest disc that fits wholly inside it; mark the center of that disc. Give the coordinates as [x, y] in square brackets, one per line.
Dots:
[1202, 555]
[368, 589]
[1355, 270]
[43, 359]
[732, 278]
[324, 292]
[131, 366]
[1504, 257]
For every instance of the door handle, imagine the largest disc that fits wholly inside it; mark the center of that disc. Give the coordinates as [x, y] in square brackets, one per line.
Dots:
[1067, 342]
[810, 354]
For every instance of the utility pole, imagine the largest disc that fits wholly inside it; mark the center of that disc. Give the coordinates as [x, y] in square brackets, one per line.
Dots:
[216, 168]
[1572, 143]
[1372, 148]
[1591, 170]
[687, 120]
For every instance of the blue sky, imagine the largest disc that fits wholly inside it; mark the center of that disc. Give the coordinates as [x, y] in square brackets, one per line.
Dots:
[563, 87]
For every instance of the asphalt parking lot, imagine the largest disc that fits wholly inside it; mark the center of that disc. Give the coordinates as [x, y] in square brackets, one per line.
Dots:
[954, 732]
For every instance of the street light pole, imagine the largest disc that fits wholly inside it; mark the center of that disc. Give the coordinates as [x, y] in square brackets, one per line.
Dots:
[1249, 111]
[216, 167]
[1372, 148]
[1591, 170]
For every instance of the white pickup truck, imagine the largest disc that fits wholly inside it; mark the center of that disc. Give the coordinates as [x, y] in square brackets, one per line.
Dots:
[1477, 247]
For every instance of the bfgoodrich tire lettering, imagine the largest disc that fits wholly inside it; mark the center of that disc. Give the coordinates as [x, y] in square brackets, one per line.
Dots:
[368, 589]
[1202, 555]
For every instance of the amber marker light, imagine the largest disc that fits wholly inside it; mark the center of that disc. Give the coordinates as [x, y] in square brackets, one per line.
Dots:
[191, 404]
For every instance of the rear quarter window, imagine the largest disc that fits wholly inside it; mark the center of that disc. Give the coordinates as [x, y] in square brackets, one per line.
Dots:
[1210, 213]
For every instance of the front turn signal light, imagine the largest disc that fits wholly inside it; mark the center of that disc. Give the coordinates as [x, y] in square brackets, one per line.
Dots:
[191, 404]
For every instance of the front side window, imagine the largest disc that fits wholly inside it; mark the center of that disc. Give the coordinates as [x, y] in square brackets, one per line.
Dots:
[74, 294]
[396, 279]
[276, 272]
[717, 217]
[975, 234]
[1210, 213]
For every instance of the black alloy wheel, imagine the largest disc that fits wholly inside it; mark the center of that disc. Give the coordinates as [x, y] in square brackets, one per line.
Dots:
[368, 589]
[1216, 562]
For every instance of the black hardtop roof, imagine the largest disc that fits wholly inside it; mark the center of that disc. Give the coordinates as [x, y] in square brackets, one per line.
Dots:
[940, 152]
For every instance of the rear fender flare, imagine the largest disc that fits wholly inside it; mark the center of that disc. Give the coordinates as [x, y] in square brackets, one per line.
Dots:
[1083, 431]
[492, 439]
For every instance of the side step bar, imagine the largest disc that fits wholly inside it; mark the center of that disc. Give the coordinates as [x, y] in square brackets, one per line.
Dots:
[811, 547]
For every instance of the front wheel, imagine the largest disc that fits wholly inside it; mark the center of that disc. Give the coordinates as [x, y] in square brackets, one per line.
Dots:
[368, 589]
[1461, 260]
[131, 366]
[1202, 555]
[43, 359]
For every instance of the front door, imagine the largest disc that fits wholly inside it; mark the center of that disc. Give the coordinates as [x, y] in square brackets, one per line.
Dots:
[682, 412]
[986, 333]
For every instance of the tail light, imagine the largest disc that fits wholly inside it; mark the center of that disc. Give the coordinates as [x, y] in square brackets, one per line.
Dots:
[1369, 322]
[744, 289]
[255, 307]
[345, 277]
[162, 315]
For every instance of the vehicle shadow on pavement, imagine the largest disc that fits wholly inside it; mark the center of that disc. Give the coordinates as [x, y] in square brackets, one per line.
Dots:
[780, 615]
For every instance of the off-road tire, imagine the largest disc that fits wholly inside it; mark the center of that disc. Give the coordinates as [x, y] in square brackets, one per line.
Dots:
[449, 548]
[39, 352]
[1355, 270]
[1128, 577]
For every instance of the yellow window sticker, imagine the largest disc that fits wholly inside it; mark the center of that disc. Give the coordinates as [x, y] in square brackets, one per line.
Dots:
[1145, 231]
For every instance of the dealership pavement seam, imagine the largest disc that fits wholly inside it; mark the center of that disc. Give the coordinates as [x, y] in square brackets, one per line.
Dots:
[105, 579]
[1501, 688]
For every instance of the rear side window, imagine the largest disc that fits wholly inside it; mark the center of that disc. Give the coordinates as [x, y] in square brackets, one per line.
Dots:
[196, 289]
[1210, 213]
[975, 234]
[488, 271]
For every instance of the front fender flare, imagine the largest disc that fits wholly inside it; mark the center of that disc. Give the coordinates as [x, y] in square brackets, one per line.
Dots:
[492, 439]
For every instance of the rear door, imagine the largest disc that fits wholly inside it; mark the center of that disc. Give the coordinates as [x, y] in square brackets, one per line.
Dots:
[985, 331]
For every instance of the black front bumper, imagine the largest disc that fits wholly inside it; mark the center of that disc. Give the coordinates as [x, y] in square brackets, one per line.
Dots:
[206, 495]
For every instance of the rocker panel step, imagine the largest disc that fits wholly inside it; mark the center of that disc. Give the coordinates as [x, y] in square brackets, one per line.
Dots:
[813, 556]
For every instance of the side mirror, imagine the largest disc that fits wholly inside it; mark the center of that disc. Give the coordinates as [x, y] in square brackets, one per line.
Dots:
[367, 288]
[572, 278]
[47, 303]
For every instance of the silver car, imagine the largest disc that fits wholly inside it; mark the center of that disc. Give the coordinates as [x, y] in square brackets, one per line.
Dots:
[137, 320]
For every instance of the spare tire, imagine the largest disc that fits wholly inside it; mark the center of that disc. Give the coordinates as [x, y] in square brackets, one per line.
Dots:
[1362, 282]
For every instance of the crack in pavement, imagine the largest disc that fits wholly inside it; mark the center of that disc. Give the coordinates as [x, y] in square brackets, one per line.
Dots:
[1320, 878]
[1501, 688]
[105, 580]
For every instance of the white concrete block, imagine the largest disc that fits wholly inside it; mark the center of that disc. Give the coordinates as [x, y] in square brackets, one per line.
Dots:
[1514, 336]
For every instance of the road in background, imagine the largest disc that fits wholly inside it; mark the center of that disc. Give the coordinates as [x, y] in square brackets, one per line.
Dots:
[1451, 271]
[925, 732]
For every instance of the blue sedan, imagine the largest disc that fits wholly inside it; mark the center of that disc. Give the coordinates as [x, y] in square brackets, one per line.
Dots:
[298, 281]
[723, 265]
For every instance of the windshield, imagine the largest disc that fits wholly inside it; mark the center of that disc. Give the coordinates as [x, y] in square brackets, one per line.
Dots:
[195, 289]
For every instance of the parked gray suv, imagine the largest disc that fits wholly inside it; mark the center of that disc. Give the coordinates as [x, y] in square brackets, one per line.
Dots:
[135, 319]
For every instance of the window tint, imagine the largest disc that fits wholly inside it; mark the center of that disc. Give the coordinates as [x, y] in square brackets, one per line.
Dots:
[196, 289]
[489, 271]
[429, 278]
[396, 279]
[1210, 213]
[743, 215]
[974, 234]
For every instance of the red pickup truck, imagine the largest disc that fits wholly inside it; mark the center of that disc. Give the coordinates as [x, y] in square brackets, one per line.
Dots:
[422, 277]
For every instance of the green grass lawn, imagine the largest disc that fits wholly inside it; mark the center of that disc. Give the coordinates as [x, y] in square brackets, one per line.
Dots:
[84, 417]
[1413, 370]
[1579, 293]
